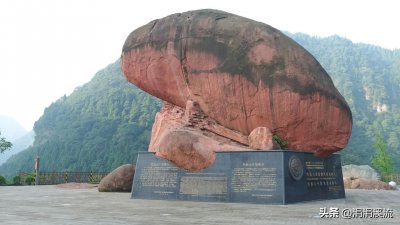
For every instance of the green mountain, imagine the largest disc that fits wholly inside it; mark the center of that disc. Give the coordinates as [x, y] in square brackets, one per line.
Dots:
[102, 124]
[369, 78]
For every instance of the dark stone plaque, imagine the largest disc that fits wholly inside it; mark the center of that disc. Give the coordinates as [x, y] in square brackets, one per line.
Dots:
[322, 178]
[266, 177]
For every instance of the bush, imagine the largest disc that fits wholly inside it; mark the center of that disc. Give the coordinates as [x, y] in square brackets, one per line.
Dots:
[29, 180]
[282, 143]
[95, 179]
[17, 180]
[382, 159]
[3, 180]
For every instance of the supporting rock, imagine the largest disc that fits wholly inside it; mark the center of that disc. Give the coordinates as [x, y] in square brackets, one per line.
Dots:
[262, 138]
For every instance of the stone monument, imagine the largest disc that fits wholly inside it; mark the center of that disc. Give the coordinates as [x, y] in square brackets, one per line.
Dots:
[234, 88]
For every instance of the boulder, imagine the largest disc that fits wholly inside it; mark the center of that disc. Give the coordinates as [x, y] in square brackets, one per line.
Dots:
[393, 185]
[362, 171]
[362, 183]
[189, 139]
[119, 180]
[240, 75]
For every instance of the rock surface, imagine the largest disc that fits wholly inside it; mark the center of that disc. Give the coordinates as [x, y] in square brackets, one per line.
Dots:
[362, 171]
[262, 138]
[189, 139]
[230, 83]
[119, 180]
[393, 185]
[362, 183]
[243, 74]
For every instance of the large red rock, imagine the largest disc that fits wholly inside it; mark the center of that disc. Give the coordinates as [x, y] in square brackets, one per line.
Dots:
[244, 74]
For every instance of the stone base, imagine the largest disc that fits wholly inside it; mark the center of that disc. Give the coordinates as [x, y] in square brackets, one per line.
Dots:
[264, 177]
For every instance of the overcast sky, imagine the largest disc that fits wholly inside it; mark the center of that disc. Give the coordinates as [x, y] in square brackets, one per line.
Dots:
[49, 47]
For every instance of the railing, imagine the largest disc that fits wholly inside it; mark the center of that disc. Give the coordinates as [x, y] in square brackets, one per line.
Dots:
[23, 178]
[66, 177]
[50, 178]
[392, 177]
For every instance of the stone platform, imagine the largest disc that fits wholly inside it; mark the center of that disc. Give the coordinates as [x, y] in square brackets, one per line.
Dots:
[48, 205]
[264, 177]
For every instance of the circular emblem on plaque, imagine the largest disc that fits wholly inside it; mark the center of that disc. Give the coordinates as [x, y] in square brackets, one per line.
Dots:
[295, 168]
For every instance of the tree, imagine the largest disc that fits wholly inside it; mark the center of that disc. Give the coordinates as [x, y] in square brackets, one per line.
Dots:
[17, 180]
[4, 144]
[29, 179]
[382, 159]
[2, 180]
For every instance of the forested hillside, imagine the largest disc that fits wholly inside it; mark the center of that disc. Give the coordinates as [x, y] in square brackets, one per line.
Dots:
[102, 124]
[369, 78]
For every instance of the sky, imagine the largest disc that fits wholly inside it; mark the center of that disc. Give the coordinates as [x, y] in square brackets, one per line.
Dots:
[50, 47]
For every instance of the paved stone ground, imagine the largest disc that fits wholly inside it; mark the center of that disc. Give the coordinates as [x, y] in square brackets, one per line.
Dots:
[54, 205]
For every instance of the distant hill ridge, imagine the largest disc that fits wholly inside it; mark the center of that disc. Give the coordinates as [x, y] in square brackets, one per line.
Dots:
[10, 128]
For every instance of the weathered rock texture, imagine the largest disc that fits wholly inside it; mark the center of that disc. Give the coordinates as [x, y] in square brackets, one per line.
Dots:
[262, 138]
[362, 183]
[189, 138]
[362, 171]
[119, 180]
[243, 75]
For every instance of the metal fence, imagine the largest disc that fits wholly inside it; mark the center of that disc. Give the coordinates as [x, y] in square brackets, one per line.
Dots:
[66, 177]
[49, 178]
[392, 177]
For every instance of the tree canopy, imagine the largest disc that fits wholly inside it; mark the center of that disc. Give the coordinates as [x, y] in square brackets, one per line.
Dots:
[4, 144]
[382, 160]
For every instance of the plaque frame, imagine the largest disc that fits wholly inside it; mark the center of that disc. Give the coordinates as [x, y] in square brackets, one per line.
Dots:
[261, 177]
